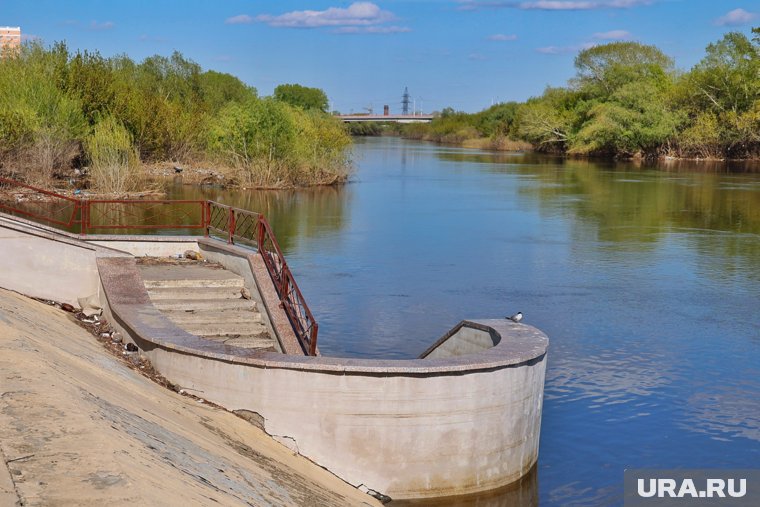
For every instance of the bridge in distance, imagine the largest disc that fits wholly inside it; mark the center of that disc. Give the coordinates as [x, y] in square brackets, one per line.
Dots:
[394, 118]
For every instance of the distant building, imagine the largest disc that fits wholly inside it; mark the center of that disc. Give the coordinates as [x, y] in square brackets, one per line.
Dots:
[10, 38]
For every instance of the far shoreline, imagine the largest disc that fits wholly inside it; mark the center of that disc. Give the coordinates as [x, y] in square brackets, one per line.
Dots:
[487, 144]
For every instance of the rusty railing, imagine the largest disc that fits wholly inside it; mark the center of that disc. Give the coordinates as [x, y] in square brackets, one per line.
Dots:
[139, 215]
[236, 226]
[292, 300]
[41, 205]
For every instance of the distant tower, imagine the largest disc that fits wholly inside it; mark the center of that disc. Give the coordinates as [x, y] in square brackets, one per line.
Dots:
[405, 99]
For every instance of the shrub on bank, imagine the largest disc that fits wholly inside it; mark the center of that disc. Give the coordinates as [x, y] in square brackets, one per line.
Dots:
[41, 127]
[269, 143]
[114, 163]
[58, 110]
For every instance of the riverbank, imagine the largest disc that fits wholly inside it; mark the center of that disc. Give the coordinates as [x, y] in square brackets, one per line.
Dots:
[502, 144]
[215, 174]
[153, 179]
[77, 426]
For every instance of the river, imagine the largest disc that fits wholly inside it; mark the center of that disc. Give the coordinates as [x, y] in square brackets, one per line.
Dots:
[647, 281]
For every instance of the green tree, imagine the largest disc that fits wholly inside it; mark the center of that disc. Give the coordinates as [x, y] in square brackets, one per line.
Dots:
[497, 120]
[728, 77]
[547, 121]
[218, 89]
[604, 68]
[40, 125]
[635, 120]
[624, 108]
[723, 91]
[302, 96]
[91, 80]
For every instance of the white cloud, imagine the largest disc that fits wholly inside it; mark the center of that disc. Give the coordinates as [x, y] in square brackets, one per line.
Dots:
[736, 17]
[558, 50]
[240, 19]
[106, 25]
[553, 5]
[356, 14]
[151, 38]
[476, 57]
[555, 50]
[502, 37]
[372, 29]
[613, 35]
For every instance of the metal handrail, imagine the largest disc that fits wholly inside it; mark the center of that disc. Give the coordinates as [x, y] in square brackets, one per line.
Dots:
[120, 211]
[252, 227]
[292, 300]
[76, 203]
[15, 183]
[233, 224]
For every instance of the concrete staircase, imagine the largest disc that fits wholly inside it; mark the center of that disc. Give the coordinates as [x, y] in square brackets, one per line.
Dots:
[205, 300]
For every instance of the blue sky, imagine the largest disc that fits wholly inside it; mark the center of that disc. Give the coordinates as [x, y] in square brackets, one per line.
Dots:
[463, 54]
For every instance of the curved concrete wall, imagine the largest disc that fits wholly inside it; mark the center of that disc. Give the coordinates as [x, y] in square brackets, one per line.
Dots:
[409, 434]
[408, 429]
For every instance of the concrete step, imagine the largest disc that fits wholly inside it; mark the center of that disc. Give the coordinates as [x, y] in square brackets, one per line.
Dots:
[245, 341]
[203, 304]
[158, 293]
[227, 328]
[236, 282]
[206, 301]
[195, 275]
[208, 316]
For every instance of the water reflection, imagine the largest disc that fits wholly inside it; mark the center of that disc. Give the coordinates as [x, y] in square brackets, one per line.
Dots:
[714, 205]
[523, 493]
[726, 413]
[293, 214]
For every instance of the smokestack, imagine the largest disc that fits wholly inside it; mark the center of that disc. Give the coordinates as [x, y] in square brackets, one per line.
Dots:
[386, 111]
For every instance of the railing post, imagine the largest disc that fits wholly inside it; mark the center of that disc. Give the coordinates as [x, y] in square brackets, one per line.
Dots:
[313, 339]
[284, 276]
[260, 233]
[231, 226]
[84, 216]
[206, 217]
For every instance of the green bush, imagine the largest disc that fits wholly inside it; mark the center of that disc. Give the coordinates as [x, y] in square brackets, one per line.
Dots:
[41, 127]
[114, 164]
[273, 144]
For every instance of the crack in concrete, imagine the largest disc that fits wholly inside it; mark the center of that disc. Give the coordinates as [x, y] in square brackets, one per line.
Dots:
[285, 440]
[7, 470]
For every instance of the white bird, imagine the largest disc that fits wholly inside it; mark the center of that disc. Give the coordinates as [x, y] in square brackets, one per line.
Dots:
[516, 317]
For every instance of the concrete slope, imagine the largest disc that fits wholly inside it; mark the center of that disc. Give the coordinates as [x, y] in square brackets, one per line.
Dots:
[205, 300]
[78, 427]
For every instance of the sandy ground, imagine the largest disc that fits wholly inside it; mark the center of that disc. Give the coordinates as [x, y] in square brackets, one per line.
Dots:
[78, 427]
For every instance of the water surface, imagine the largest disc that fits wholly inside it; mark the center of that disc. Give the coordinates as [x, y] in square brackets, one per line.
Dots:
[647, 281]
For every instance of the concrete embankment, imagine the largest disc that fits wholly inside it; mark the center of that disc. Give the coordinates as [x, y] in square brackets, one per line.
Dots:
[78, 427]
